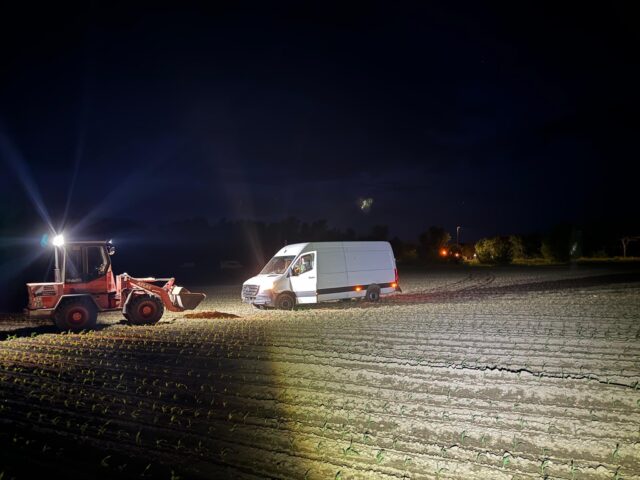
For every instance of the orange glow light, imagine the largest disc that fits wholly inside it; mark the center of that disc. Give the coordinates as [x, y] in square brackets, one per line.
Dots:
[444, 252]
[358, 289]
[394, 285]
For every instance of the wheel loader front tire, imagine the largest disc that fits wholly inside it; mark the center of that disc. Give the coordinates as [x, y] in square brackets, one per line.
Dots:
[144, 310]
[76, 315]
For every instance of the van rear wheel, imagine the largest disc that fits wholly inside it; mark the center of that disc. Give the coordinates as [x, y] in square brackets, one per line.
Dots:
[285, 301]
[373, 293]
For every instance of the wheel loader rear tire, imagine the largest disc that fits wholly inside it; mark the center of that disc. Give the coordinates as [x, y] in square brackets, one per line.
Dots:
[76, 315]
[144, 310]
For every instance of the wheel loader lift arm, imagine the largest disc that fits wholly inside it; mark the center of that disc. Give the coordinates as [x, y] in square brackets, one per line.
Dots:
[174, 298]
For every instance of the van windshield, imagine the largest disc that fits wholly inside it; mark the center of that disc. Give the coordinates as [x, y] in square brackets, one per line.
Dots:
[277, 265]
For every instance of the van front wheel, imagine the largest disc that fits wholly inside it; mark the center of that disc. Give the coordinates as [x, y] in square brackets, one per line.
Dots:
[373, 293]
[285, 301]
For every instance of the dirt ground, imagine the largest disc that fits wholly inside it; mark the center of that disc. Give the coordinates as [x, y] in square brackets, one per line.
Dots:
[470, 373]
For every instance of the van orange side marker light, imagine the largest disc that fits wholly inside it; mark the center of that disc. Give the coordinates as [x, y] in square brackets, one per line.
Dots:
[358, 289]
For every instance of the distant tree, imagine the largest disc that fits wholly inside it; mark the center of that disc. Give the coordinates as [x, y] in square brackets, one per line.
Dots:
[517, 247]
[484, 250]
[397, 245]
[575, 250]
[409, 255]
[531, 243]
[494, 250]
[290, 230]
[432, 241]
[556, 246]
[319, 230]
[503, 250]
[405, 253]
[468, 250]
[378, 232]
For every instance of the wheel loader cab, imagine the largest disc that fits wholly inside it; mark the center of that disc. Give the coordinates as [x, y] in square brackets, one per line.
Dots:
[87, 268]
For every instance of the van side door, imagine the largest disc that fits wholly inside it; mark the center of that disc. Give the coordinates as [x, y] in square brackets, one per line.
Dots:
[304, 278]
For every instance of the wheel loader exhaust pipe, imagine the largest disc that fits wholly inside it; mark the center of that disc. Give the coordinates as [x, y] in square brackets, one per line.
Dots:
[183, 298]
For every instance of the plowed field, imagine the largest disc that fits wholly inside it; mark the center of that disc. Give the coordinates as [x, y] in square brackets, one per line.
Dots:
[468, 374]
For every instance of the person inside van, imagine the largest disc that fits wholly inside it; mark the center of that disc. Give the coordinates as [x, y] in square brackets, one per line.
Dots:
[305, 264]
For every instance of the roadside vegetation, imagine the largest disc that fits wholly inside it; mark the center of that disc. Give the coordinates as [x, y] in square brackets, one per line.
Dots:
[561, 245]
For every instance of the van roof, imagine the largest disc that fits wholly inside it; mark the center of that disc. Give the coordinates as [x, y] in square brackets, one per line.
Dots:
[293, 249]
[296, 248]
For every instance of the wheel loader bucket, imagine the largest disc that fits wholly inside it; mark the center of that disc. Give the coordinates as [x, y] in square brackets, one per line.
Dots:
[183, 298]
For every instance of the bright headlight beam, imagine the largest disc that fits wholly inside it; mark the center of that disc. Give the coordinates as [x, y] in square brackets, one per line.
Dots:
[58, 240]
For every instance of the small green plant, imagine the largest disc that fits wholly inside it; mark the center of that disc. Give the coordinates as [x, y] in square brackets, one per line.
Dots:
[380, 457]
[350, 450]
[440, 471]
[543, 467]
[515, 443]
[573, 469]
[616, 452]
[146, 469]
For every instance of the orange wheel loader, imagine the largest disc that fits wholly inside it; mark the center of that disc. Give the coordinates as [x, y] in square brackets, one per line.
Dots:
[84, 285]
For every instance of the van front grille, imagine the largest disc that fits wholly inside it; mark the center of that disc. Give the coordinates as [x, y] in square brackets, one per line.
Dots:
[250, 291]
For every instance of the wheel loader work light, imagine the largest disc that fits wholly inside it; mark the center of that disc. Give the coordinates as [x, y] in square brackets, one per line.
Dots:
[58, 240]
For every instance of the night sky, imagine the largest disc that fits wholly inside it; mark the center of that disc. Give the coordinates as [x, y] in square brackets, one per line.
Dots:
[500, 118]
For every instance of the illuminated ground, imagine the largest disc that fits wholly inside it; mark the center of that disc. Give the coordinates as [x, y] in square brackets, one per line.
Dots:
[470, 374]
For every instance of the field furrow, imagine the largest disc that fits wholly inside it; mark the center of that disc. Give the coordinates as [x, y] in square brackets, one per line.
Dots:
[468, 376]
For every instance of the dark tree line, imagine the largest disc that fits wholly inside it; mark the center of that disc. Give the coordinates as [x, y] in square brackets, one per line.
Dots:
[562, 243]
[192, 250]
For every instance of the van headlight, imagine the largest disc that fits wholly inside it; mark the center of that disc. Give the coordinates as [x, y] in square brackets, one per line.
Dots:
[266, 287]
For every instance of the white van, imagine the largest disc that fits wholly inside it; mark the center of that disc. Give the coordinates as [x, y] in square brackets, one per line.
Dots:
[322, 271]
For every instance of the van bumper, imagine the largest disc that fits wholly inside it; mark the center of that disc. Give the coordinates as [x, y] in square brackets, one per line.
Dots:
[263, 298]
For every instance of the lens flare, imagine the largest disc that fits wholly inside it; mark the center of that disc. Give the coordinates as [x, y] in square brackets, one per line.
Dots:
[17, 163]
